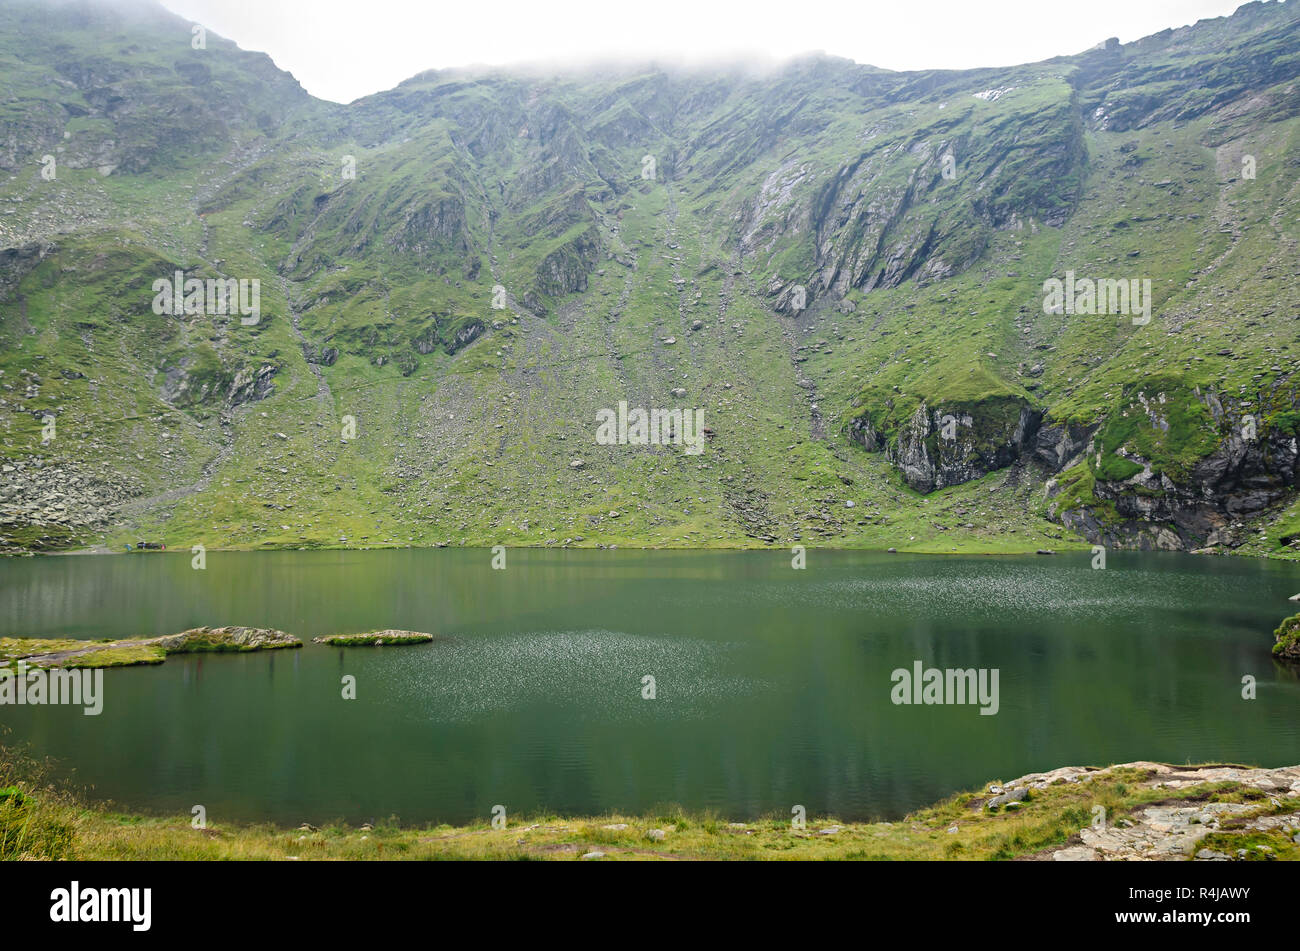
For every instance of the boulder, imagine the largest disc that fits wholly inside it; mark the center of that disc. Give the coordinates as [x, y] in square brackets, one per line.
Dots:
[1013, 795]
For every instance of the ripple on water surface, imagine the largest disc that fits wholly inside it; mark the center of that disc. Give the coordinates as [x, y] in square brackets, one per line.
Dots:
[597, 672]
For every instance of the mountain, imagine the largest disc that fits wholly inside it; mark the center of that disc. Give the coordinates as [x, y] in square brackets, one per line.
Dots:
[847, 271]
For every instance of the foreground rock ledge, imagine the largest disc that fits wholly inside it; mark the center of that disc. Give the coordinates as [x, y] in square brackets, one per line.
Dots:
[1175, 830]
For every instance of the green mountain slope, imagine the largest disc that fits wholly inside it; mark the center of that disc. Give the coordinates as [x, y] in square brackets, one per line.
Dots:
[842, 268]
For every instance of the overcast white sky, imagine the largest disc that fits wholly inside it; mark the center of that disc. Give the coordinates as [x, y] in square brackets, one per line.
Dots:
[343, 49]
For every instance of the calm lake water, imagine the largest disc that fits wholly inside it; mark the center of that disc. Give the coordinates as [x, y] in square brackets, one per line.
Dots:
[773, 685]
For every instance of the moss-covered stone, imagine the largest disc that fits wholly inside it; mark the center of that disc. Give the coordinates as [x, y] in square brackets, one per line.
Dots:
[128, 652]
[374, 639]
[1287, 639]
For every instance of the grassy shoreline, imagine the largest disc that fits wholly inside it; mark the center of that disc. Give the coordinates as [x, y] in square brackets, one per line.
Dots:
[45, 820]
[945, 546]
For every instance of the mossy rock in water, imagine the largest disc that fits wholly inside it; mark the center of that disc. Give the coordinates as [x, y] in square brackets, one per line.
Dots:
[1288, 639]
[68, 653]
[374, 639]
[226, 639]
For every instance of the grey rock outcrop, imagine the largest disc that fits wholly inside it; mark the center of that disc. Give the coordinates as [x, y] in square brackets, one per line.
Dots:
[950, 445]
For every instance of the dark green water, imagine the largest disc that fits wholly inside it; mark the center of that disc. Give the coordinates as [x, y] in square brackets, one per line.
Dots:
[773, 684]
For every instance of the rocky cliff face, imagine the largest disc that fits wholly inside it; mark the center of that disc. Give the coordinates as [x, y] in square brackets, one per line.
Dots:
[1212, 506]
[564, 270]
[953, 444]
[1058, 445]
